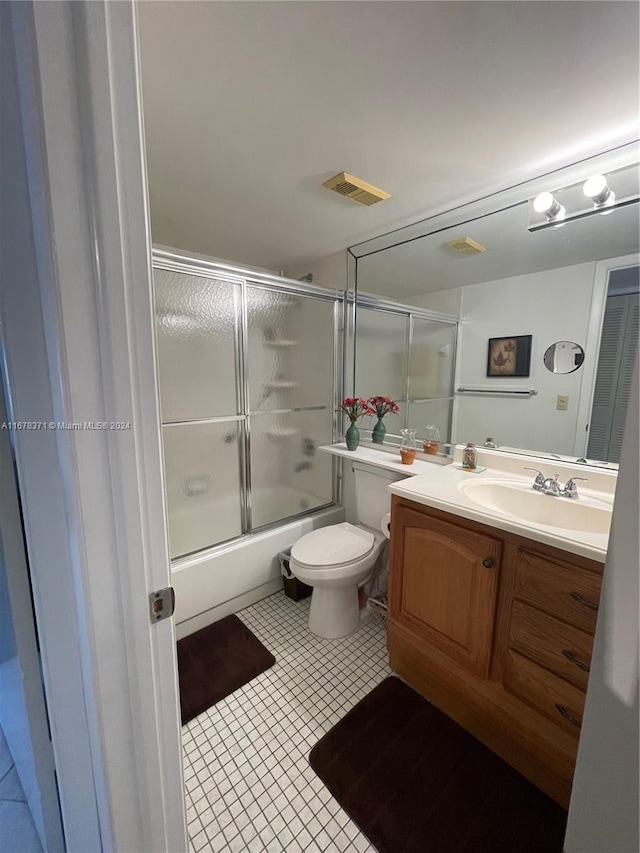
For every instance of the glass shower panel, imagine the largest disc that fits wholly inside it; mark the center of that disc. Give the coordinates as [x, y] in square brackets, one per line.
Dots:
[432, 359]
[290, 350]
[203, 484]
[382, 339]
[428, 412]
[289, 475]
[196, 335]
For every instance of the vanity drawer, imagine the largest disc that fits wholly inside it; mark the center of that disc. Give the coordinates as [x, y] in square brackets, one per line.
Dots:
[563, 649]
[567, 592]
[552, 696]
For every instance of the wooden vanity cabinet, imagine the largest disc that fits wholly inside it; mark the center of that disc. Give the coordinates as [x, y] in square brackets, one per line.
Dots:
[497, 631]
[445, 586]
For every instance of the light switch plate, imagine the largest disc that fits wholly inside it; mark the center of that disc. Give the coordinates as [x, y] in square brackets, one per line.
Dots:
[562, 402]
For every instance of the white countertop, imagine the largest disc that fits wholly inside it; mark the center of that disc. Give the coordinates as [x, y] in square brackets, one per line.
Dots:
[436, 482]
[388, 458]
[440, 489]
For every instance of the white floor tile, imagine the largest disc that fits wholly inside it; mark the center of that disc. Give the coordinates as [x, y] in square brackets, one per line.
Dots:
[249, 753]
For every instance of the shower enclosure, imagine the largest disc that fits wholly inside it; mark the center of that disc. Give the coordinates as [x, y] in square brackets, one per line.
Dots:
[409, 354]
[249, 368]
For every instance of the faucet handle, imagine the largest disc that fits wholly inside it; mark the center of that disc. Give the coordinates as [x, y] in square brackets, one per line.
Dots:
[539, 480]
[571, 490]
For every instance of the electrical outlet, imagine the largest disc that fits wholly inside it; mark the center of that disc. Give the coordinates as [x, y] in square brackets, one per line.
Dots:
[562, 402]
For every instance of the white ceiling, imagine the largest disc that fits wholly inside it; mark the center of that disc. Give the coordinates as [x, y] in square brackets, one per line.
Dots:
[250, 106]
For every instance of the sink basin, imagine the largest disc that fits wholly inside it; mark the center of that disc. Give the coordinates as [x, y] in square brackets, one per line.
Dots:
[520, 501]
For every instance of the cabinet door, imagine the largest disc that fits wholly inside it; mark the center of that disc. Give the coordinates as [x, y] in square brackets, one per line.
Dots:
[443, 586]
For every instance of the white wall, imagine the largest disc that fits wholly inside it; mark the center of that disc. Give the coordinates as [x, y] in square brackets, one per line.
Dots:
[447, 301]
[330, 271]
[603, 815]
[553, 305]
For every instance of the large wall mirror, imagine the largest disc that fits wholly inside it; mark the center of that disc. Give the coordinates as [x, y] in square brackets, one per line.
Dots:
[462, 317]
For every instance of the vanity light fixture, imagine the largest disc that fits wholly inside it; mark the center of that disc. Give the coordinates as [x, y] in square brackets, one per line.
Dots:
[599, 195]
[546, 203]
[598, 190]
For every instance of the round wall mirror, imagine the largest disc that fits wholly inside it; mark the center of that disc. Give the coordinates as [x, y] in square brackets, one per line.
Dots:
[563, 357]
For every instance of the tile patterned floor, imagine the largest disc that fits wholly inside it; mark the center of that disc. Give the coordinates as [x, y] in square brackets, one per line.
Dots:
[18, 834]
[248, 783]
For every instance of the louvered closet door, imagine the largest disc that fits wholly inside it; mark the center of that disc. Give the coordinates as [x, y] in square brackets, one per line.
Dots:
[629, 348]
[618, 346]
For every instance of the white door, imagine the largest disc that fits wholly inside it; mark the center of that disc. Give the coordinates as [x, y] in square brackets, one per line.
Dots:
[76, 330]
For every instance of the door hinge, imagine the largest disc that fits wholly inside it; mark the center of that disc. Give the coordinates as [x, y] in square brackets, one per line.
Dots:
[162, 604]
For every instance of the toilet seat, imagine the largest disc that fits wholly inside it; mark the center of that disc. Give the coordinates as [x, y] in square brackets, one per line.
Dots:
[334, 546]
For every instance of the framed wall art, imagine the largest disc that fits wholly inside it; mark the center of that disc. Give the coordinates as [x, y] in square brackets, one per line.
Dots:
[509, 356]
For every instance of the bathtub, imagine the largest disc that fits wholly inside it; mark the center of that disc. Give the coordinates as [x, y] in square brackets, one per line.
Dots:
[222, 580]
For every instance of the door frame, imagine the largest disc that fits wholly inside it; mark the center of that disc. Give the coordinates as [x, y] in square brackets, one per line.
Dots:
[79, 348]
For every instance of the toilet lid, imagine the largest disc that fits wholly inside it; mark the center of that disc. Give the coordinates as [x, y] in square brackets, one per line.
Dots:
[333, 546]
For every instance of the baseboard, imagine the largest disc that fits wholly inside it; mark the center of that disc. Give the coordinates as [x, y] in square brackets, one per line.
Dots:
[190, 626]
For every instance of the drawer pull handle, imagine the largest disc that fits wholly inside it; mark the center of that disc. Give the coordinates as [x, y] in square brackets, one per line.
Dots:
[487, 562]
[580, 664]
[577, 597]
[568, 716]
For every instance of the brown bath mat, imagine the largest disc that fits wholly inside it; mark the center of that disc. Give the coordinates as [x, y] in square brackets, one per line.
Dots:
[416, 782]
[215, 661]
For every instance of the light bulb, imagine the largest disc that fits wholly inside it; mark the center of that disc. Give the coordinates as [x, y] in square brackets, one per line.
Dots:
[597, 189]
[543, 202]
[551, 207]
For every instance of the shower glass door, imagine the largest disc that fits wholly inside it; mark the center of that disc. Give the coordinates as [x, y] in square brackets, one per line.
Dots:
[382, 357]
[409, 356]
[202, 419]
[291, 369]
[248, 374]
[431, 369]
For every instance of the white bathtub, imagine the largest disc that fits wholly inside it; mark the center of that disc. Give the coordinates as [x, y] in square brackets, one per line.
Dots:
[213, 584]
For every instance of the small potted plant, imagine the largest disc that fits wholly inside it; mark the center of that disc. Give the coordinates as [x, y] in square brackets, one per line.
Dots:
[382, 406]
[354, 408]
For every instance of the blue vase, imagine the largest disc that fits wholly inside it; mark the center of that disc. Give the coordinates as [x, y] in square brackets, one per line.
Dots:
[352, 436]
[378, 432]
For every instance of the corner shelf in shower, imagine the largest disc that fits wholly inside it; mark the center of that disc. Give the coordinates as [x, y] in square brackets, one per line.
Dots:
[285, 432]
[280, 344]
[282, 385]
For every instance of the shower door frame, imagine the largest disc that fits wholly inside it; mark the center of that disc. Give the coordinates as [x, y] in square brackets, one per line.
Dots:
[175, 260]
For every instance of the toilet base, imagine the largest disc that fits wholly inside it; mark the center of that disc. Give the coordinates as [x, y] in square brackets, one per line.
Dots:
[334, 612]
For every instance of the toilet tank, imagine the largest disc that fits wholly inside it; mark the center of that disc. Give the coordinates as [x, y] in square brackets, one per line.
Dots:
[373, 500]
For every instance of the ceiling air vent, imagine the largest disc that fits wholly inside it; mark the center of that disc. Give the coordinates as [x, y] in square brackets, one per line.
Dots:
[351, 187]
[466, 246]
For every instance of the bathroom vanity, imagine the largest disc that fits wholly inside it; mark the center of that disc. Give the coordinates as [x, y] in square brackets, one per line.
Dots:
[493, 619]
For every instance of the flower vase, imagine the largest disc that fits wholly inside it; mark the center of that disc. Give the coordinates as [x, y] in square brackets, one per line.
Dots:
[378, 432]
[352, 436]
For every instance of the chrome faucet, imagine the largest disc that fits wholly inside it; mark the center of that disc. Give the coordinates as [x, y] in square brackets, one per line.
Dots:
[571, 490]
[538, 483]
[551, 486]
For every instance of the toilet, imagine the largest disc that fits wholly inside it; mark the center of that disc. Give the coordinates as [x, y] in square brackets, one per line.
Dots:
[338, 559]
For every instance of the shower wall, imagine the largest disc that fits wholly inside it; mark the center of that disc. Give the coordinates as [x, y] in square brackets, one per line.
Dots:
[249, 369]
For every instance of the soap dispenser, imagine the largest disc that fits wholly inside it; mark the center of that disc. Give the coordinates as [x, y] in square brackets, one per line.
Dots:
[470, 457]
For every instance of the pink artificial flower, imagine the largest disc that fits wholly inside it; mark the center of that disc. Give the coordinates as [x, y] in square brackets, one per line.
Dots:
[355, 407]
[383, 405]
